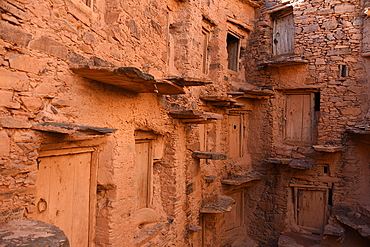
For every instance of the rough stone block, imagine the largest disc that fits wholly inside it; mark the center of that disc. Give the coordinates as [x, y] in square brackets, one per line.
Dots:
[4, 143]
[13, 123]
[27, 63]
[31, 103]
[344, 8]
[14, 34]
[50, 46]
[6, 100]
[11, 80]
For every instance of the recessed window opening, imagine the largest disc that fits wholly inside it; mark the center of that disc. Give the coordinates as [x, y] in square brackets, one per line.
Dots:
[330, 197]
[88, 2]
[326, 169]
[205, 43]
[233, 49]
[343, 70]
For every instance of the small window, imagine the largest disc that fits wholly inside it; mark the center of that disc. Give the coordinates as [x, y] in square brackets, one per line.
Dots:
[233, 50]
[283, 34]
[88, 2]
[343, 70]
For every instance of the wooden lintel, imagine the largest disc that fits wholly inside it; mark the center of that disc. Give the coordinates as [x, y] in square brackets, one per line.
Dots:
[66, 128]
[328, 149]
[278, 161]
[220, 204]
[208, 155]
[188, 81]
[128, 78]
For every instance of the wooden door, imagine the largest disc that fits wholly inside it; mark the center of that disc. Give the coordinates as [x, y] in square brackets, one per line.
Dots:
[283, 36]
[299, 118]
[143, 174]
[311, 208]
[235, 136]
[234, 218]
[63, 194]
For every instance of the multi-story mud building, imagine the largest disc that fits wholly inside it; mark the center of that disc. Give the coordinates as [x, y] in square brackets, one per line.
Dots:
[186, 123]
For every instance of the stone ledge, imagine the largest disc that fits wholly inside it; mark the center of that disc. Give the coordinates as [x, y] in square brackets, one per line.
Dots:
[282, 61]
[217, 205]
[188, 81]
[66, 128]
[245, 181]
[194, 117]
[208, 155]
[128, 78]
[328, 149]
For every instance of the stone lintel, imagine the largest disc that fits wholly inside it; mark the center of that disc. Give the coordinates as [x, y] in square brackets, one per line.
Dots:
[208, 155]
[300, 164]
[218, 204]
[66, 128]
[194, 117]
[278, 161]
[242, 180]
[283, 61]
[189, 81]
[359, 130]
[129, 78]
[328, 149]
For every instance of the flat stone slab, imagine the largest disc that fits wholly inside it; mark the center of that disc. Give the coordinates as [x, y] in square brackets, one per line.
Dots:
[328, 149]
[66, 128]
[31, 233]
[242, 180]
[219, 204]
[208, 155]
[300, 164]
[278, 161]
[189, 81]
[353, 218]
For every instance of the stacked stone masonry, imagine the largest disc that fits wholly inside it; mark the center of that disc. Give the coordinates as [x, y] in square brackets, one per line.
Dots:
[186, 123]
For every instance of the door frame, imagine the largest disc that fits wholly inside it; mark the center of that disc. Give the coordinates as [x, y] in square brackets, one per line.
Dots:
[296, 188]
[93, 180]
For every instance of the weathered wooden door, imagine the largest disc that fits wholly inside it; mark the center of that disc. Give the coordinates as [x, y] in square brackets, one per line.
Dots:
[143, 173]
[311, 208]
[234, 218]
[235, 136]
[63, 194]
[299, 118]
[283, 36]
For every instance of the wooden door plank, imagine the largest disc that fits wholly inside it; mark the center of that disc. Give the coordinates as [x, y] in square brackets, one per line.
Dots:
[234, 136]
[142, 150]
[81, 199]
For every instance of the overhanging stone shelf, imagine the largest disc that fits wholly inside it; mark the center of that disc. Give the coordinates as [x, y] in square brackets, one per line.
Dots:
[359, 130]
[292, 163]
[283, 61]
[243, 181]
[66, 128]
[129, 78]
[217, 100]
[358, 220]
[252, 94]
[188, 81]
[208, 155]
[219, 204]
[194, 117]
[279, 161]
[300, 165]
[328, 148]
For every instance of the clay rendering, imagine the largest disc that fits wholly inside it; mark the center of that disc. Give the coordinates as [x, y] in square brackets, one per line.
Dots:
[199, 123]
